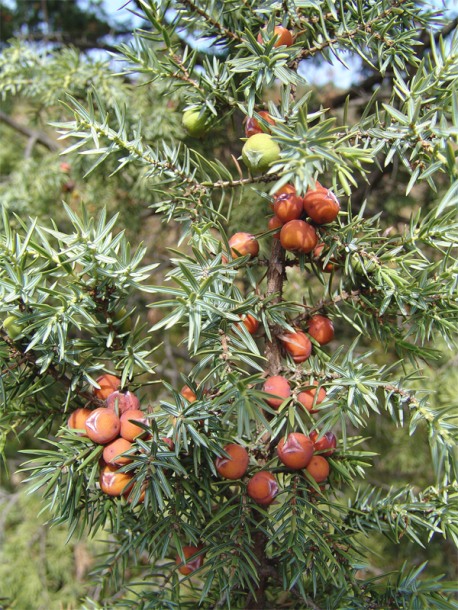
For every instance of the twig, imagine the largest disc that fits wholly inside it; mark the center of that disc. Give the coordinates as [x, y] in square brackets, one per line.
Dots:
[367, 84]
[6, 507]
[250, 8]
[366, 27]
[266, 178]
[29, 360]
[38, 136]
[13, 366]
[444, 32]
[354, 295]
[221, 29]
[30, 146]
[185, 76]
[140, 154]
[258, 601]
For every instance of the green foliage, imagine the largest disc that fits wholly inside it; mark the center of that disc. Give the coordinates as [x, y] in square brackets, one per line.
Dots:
[38, 81]
[39, 568]
[391, 294]
[79, 281]
[48, 77]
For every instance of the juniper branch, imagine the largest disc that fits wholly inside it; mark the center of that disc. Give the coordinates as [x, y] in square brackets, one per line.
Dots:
[37, 136]
[348, 35]
[366, 86]
[224, 32]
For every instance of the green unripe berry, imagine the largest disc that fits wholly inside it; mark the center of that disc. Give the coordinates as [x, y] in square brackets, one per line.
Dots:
[12, 328]
[126, 324]
[361, 265]
[259, 152]
[195, 122]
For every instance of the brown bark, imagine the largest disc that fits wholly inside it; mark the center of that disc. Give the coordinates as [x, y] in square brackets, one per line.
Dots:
[38, 136]
[258, 602]
[275, 278]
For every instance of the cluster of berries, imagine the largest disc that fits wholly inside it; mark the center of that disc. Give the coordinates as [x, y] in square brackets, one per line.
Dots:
[295, 234]
[320, 205]
[116, 426]
[295, 217]
[297, 452]
[298, 236]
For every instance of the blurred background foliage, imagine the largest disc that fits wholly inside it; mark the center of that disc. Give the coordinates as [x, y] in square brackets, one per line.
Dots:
[62, 49]
[39, 567]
